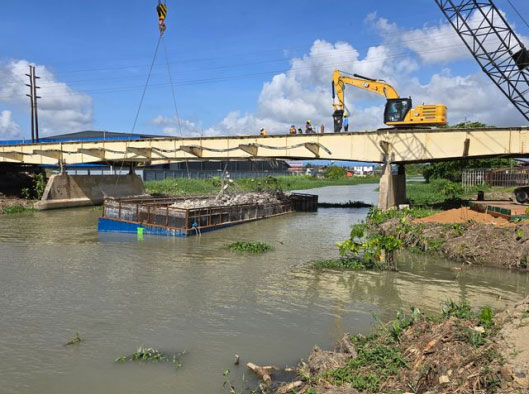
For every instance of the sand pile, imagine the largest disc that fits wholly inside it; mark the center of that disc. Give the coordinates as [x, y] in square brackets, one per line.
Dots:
[227, 200]
[462, 215]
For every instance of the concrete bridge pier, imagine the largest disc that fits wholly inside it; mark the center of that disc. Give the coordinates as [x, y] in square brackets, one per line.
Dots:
[66, 191]
[392, 189]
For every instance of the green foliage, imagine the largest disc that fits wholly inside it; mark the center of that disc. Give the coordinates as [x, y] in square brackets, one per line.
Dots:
[16, 208]
[39, 185]
[335, 172]
[249, 247]
[486, 317]
[453, 309]
[374, 362]
[37, 189]
[347, 265]
[371, 249]
[453, 170]
[185, 186]
[377, 216]
[438, 190]
[151, 355]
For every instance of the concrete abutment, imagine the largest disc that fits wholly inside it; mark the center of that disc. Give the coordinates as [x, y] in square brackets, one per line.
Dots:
[66, 191]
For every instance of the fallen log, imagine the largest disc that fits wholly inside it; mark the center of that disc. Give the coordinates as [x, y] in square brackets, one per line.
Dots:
[261, 372]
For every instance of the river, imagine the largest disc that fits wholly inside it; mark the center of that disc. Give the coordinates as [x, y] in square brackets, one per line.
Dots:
[59, 276]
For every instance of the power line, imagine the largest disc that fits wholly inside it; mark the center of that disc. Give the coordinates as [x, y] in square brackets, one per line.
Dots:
[519, 14]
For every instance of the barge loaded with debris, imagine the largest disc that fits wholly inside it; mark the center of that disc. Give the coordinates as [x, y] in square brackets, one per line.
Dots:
[183, 216]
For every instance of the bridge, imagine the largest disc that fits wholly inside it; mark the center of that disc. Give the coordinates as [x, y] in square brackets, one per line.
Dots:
[381, 146]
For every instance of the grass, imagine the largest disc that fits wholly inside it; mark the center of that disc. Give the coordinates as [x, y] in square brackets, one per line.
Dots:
[441, 191]
[250, 247]
[16, 209]
[185, 186]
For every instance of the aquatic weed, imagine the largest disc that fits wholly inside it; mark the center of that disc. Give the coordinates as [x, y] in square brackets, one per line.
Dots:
[152, 355]
[249, 247]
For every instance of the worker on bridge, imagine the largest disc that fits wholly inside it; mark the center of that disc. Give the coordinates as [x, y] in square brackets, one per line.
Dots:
[345, 122]
[263, 132]
[292, 129]
[308, 128]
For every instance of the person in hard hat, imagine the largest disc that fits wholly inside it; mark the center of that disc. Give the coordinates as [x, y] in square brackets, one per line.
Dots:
[308, 128]
[263, 132]
[292, 129]
[345, 122]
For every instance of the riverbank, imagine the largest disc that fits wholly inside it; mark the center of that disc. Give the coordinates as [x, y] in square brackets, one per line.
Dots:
[185, 186]
[10, 205]
[462, 350]
[460, 235]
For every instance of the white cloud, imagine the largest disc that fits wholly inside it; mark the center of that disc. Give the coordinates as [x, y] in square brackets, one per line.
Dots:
[61, 109]
[8, 128]
[303, 92]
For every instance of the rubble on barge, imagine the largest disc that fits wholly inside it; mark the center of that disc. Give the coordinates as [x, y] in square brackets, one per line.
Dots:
[183, 216]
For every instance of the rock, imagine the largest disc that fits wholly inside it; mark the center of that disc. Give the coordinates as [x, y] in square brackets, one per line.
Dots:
[506, 373]
[479, 329]
[443, 379]
[321, 360]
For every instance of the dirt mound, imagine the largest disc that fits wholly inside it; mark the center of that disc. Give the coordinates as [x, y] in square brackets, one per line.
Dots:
[462, 215]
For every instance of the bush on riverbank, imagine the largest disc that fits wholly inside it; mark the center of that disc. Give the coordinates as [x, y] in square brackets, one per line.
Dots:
[185, 186]
[452, 352]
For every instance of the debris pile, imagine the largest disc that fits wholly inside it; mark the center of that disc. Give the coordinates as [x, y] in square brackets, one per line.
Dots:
[463, 351]
[227, 200]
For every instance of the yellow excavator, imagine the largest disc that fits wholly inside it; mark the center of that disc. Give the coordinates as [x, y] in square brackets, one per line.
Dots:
[398, 113]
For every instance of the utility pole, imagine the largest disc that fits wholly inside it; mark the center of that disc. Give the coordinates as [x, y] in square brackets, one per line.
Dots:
[33, 102]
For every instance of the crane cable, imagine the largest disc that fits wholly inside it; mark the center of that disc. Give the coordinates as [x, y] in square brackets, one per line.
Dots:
[178, 121]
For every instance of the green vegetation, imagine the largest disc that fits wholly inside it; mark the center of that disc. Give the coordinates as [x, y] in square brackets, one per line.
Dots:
[37, 189]
[392, 358]
[370, 249]
[335, 172]
[152, 355]
[344, 264]
[249, 247]
[374, 250]
[16, 208]
[185, 186]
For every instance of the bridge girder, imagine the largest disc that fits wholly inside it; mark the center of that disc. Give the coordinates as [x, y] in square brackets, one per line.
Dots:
[397, 146]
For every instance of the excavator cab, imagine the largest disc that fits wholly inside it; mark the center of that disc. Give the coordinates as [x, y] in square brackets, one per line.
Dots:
[397, 109]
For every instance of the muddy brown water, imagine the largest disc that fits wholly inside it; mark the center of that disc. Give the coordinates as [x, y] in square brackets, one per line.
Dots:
[58, 277]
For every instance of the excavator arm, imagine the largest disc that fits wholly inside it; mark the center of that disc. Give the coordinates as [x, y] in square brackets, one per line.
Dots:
[373, 85]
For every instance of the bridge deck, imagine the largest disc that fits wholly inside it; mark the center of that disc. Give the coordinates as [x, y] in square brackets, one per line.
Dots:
[400, 146]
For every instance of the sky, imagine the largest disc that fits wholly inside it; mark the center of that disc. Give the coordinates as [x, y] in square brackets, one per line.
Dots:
[234, 66]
